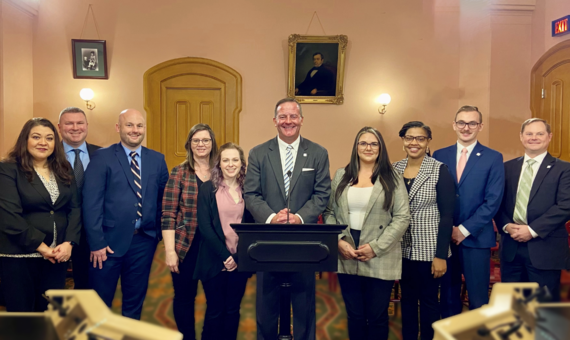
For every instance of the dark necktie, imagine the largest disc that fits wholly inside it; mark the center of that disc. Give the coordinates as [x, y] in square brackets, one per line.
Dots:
[78, 169]
[137, 172]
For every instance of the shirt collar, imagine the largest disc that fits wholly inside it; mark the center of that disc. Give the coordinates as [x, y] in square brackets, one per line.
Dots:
[469, 148]
[295, 144]
[538, 158]
[67, 148]
[128, 151]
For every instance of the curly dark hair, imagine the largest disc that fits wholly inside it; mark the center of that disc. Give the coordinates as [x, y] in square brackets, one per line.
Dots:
[57, 162]
[216, 171]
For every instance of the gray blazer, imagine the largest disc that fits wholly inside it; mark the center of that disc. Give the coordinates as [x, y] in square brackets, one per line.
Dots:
[264, 188]
[382, 229]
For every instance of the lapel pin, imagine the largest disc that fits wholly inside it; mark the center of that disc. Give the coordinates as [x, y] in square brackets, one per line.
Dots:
[478, 154]
[304, 155]
[548, 167]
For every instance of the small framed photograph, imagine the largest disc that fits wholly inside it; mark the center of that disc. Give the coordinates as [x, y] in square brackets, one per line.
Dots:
[89, 59]
[316, 68]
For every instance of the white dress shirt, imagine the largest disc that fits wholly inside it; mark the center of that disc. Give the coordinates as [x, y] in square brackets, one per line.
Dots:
[535, 168]
[460, 148]
[283, 154]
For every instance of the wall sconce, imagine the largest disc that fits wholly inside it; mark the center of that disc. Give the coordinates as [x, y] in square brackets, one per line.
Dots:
[87, 95]
[384, 99]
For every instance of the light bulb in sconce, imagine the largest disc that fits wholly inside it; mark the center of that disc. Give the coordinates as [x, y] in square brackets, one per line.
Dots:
[87, 94]
[384, 99]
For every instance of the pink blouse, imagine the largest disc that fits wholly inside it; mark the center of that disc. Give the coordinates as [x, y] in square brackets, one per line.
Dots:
[230, 212]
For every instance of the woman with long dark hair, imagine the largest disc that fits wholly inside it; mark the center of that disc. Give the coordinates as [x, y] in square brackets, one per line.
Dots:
[40, 217]
[370, 197]
[180, 222]
[220, 203]
[426, 242]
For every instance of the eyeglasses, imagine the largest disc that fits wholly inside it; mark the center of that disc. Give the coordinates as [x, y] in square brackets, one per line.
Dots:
[461, 124]
[373, 145]
[419, 139]
[205, 141]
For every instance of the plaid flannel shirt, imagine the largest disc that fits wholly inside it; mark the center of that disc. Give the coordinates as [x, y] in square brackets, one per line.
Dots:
[179, 208]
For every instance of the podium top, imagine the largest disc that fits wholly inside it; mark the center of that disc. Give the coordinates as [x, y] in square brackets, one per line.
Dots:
[309, 228]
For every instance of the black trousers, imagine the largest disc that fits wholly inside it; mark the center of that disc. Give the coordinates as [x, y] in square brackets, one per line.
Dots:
[80, 263]
[418, 285]
[185, 290]
[26, 279]
[223, 297]
[522, 270]
[367, 300]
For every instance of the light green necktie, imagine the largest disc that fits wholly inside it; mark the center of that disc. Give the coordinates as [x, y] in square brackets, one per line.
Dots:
[523, 195]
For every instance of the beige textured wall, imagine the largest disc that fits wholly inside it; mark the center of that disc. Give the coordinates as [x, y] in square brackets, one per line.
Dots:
[430, 55]
[16, 72]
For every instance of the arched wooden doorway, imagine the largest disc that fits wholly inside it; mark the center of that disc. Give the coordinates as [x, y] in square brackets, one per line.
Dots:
[550, 96]
[180, 93]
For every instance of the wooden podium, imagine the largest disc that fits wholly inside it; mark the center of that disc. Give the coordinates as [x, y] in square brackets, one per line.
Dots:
[284, 249]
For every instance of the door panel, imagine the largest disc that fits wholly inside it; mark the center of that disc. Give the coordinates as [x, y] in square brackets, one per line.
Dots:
[550, 96]
[183, 92]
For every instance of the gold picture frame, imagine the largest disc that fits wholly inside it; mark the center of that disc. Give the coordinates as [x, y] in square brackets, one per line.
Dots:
[309, 81]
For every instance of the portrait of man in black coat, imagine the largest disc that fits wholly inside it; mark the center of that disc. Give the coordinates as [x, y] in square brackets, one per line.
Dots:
[319, 81]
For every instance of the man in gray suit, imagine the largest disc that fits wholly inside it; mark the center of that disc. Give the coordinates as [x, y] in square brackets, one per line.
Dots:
[283, 166]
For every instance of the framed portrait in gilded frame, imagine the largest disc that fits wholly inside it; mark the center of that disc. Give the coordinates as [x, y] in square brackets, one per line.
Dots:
[89, 59]
[316, 68]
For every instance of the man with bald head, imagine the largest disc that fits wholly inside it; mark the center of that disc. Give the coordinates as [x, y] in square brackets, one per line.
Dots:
[122, 197]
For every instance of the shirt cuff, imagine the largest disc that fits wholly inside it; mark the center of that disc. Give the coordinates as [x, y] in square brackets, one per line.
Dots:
[505, 228]
[464, 231]
[532, 232]
[303, 222]
[270, 218]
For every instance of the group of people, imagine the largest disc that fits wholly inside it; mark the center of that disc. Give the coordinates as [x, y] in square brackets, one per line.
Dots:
[424, 220]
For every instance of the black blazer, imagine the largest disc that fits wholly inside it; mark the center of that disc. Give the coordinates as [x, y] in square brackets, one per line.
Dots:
[27, 214]
[91, 148]
[213, 251]
[547, 213]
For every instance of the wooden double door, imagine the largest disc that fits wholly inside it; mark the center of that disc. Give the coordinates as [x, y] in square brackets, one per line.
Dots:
[183, 92]
[550, 96]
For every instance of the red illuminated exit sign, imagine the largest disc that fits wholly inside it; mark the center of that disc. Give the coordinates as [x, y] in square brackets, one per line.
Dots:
[560, 26]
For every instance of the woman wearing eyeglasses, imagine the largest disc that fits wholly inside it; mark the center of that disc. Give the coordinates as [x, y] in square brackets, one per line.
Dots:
[180, 222]
[425, 248]
[370, 197]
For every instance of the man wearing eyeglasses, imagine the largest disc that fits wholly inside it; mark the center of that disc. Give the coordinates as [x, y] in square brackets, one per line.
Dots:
[479, 179]
[288, 165]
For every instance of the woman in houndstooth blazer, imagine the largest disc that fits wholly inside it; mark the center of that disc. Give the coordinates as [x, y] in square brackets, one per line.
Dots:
[426, 242]
[371, 199]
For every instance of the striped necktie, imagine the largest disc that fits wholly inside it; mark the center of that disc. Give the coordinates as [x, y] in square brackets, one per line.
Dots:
[288, 168]
[523, 194]
[137, 172]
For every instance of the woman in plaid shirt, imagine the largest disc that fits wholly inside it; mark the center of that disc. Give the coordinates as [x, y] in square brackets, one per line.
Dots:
[179, 222]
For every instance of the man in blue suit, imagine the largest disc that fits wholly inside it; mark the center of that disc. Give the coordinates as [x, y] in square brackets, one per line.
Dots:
[479, 176]
[122, 199]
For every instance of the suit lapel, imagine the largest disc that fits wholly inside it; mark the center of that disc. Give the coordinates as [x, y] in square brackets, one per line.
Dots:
[452, 161]
[343, 205]
[545, 167]
[376, 191]
[122, 157]
[275, 160]
[423, 175]
[299, 162]
[145, 164]
[473, 159]
[38, 185]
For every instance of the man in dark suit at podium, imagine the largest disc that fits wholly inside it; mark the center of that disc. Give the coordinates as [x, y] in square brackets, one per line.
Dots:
[287, 165]
[73, 129]
[534, 211]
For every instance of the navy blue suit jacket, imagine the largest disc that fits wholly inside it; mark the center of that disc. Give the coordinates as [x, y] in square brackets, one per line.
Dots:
[478, 194]
[110, 201]
[547, 213]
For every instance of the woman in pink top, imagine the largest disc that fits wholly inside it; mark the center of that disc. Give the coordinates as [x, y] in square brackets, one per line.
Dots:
[220, 203]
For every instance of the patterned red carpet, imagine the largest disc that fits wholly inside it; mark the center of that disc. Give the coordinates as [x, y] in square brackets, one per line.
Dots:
[331, 315]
